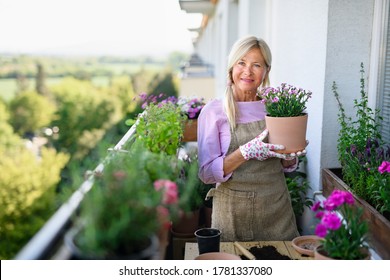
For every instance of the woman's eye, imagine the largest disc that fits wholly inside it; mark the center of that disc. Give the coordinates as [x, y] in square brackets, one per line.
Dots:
[258, 65]
[242, 63]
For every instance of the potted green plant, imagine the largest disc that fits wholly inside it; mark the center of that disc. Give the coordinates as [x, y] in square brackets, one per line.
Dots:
[191, 107]
[361, 153]
[343, 237]
[298, 187]
[187, 110]
[286, 119]
[131, 199]
[190, 197]
[160, 128]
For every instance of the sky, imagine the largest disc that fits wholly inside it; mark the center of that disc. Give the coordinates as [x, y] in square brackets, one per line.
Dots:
[95, 27]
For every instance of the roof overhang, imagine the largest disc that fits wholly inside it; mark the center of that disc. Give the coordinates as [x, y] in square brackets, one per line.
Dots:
[205, 7]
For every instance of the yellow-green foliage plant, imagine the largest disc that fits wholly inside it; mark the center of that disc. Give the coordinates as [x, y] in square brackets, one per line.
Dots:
[27, 191]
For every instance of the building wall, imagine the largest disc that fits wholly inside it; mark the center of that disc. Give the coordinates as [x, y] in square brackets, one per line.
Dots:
[349, 44]
[197, 86]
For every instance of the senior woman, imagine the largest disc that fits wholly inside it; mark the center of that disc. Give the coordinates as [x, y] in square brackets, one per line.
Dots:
[251, 200]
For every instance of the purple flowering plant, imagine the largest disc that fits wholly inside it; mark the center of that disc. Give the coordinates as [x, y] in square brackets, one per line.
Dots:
[191, 106]
[341, 227]
[285, 100]
[362, 152]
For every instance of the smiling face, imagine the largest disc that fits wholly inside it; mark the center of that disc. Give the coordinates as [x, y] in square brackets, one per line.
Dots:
[248, 74]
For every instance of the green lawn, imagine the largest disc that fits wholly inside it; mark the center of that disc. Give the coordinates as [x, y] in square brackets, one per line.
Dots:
[8, 86]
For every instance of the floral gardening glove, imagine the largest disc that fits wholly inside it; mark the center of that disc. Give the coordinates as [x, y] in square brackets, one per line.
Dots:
[257, 149]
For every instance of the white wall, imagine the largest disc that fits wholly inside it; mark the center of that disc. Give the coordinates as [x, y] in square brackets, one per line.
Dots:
[349, 44]
[298, 37]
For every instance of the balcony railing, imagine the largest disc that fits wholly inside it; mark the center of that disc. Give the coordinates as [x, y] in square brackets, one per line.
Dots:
[47, 243]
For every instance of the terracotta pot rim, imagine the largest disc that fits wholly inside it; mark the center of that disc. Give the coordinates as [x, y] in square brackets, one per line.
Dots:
[302, 115]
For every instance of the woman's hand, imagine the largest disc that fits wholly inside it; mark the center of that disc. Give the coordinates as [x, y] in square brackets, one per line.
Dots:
[257, 149]
[291, 160]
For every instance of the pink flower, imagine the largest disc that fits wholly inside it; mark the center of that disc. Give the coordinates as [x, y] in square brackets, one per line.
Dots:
[338, 198]
[170, 195]
[334, 200]
[316, 206]
[319, 214]
[320, 230]
[384, 167]
[119, 175]
[348, 198]
[331, 221]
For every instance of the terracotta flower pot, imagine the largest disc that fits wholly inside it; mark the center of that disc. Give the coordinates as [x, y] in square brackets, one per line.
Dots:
[320, 254]
[190, 132]
[287, 131]
[186, 225]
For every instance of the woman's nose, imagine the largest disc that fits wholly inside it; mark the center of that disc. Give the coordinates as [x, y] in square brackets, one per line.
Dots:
[248, 69]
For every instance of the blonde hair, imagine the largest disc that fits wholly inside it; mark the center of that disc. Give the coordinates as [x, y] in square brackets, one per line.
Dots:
[240, 49]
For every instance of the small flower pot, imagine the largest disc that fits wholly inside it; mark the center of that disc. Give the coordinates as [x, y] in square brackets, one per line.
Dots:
[208, 240]
[287, 131]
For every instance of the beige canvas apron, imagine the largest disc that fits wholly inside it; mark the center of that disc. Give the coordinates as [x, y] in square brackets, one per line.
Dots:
[254, 204]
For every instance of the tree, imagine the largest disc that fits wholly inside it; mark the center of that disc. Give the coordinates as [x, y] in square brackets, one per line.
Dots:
[84, 114]
[40, 80]
[30, 112]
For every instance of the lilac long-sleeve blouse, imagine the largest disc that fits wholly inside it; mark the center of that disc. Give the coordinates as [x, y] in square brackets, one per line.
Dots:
[214, 137]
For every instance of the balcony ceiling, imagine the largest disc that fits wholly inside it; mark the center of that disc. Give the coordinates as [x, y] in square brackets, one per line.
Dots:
[205, 7]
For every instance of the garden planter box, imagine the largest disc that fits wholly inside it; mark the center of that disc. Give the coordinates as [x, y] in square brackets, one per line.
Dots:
[190, 132]
[379, 226]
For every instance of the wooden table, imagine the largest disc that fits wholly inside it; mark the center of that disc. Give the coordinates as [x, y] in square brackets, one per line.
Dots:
[283, 247]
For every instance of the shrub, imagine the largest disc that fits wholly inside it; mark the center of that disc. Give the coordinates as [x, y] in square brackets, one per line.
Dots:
[27, 192]
[30, 112]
